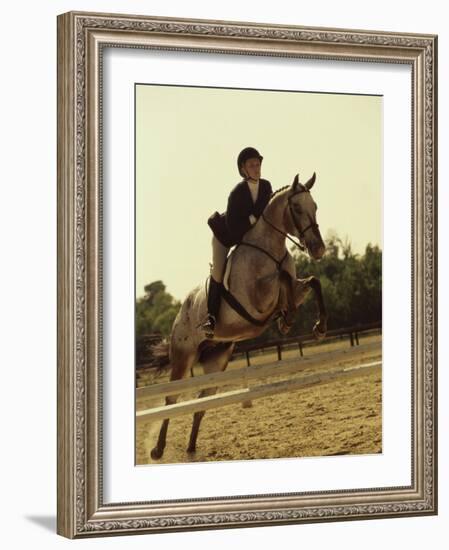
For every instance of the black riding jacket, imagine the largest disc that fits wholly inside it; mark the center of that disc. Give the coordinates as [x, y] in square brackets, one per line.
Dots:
[230, 226]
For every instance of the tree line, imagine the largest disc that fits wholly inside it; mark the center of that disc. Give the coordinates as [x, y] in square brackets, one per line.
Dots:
[156, 311]
[351, 284]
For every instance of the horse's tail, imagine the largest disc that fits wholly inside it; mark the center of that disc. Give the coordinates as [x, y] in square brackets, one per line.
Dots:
[161, 355]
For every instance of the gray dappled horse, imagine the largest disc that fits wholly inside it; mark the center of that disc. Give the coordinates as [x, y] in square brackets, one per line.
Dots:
[262, 278]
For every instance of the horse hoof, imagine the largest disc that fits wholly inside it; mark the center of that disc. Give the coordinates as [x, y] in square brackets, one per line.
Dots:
[283, 327]
[318, 333]
[191, 450]
[156, 453]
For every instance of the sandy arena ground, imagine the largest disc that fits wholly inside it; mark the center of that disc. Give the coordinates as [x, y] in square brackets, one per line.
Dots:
[341, 417]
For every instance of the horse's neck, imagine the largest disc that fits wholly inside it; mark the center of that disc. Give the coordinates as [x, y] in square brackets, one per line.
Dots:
[263, 234]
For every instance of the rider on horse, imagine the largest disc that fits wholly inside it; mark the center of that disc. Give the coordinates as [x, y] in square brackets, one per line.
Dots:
[246, 203]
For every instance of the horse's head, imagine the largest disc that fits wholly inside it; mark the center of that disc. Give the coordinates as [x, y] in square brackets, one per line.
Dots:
[300, 217]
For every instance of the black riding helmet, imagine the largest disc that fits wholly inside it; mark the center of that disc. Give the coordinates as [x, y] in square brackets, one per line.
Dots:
[244, 155]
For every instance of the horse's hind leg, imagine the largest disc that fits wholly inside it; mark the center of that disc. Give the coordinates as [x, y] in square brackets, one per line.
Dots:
[158, 451]
[214, 360]
[197, 417]
[181, 363]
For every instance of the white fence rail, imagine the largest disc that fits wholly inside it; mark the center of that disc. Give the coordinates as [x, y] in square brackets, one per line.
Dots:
[241, 376]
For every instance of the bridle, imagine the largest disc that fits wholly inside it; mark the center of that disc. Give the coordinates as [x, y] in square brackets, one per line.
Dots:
[301, 232]
[312, 224]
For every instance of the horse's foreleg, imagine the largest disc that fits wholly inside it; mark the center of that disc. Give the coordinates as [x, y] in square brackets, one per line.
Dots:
[294, 292]
[287, 302]
[303, 286]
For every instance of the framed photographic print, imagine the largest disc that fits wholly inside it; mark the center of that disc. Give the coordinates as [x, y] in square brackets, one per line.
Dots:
[246, 274]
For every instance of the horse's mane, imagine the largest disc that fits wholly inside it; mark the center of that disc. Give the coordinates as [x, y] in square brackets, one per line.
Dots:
[282, 189]
[278, 191]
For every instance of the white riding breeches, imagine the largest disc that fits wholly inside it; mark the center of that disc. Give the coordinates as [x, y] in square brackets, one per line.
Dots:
[219, 255]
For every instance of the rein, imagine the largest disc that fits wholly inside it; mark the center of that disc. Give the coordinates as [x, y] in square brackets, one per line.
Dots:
[299, 245]
[301, 232]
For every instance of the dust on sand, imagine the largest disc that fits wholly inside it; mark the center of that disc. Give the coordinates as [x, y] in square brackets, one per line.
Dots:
[338, 418]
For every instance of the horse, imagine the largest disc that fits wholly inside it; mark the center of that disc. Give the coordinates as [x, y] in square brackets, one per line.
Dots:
[262, 279]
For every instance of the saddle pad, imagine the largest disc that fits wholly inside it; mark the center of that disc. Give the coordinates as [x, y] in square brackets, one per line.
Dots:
[227, 270]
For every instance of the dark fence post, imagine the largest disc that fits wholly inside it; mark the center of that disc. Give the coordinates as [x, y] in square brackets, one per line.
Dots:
[248, 403]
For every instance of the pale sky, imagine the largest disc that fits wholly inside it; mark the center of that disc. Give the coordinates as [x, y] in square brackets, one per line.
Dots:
[187, 142]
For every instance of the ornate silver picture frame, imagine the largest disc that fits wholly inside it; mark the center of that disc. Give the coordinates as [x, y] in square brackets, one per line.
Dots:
[83, 510]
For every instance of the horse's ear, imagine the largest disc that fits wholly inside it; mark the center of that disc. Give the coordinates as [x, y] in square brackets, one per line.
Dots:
[295, 182]
[310, 183]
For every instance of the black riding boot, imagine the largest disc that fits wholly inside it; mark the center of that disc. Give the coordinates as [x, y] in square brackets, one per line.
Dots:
[213, 307]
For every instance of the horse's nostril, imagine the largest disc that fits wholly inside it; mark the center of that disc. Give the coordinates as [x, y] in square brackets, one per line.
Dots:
[318, 251]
